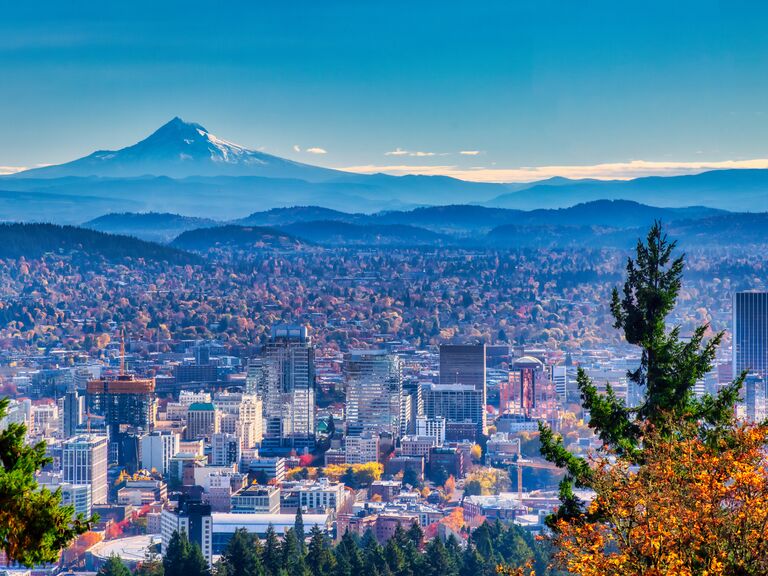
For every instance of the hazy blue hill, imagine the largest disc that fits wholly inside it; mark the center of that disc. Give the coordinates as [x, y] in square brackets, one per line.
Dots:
[737, 190]
[282, 216]
[153, 226]
[615, 213]
[343, 233]
[239, 237]
[722, 230]
[34, 240]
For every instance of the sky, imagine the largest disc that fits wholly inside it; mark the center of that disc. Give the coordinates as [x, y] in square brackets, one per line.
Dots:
[485, 90]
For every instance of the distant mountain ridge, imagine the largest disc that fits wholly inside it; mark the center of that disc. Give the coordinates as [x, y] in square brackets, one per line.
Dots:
[183, 167]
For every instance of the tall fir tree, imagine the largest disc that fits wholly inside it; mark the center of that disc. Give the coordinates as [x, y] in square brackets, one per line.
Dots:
[668, 371]
[34, 526]
[242, 556]
[272, 555]
[319, 557]
[184, 558]
[298, 527]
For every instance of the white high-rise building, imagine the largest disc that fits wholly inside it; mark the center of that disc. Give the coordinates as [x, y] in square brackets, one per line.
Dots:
[157, 449]
[374, 384]
[433, 427]
[84, 461]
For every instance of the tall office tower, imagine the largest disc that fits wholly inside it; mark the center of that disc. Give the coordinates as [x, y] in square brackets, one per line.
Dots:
[527, 374]
[157, 449]
[465, 364]
[203, 421]
[256, 377]
[412, 406]
[290, 388]
[240, 411]
[374, 385]
[225, 449]
[73, 413]
[128, 405]
[460, 404]
[559, 377]
[84, 461]
[750, 333]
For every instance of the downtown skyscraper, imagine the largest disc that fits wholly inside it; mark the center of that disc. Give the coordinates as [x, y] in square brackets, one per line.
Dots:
[289, 399]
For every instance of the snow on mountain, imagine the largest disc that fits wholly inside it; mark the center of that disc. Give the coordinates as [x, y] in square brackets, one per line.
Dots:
[181, 149]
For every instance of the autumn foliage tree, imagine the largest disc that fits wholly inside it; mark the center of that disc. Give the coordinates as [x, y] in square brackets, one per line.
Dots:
[693, 507]
[677, 478]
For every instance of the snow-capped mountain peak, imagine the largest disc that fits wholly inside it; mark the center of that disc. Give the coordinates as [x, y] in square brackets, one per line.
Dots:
[181, 149]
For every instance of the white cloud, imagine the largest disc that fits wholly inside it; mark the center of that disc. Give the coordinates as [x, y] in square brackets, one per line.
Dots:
[470, 152]
[397, 152]
[11, 169]
[400, 152]
[296, 148]
[607, 171]
[316, 150]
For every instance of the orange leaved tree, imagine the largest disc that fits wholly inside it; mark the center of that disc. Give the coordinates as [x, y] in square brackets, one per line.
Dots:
[696, 506]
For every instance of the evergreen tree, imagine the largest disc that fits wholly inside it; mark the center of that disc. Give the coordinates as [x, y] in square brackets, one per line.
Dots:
[319, 557]
[373, 554]
[416, 534]
[195, 563]
[184, 558]
[176, 554]
[669, 369]
[242, 556]
[298, 526]
[34, 526]
[472, 563]
[113, 567]
[437, 561]
[394, 554]
[272, 556]
[289, 550]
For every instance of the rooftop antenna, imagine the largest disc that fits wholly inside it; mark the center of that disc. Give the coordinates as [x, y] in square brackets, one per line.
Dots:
[122, 351]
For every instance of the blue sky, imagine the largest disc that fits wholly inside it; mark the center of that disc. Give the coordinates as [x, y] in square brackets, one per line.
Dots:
[573, 87]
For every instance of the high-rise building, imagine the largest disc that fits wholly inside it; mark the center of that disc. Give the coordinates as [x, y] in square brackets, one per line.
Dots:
[465, 364]
[84, 461]
[73, 413]
[750, 333]
[225, 449]
[460, 404]
[242, 414]
[203, 420]
[290, 387]
[193, 518]
[374, 385]
[128, 406]
[157, 449]
[256, 377]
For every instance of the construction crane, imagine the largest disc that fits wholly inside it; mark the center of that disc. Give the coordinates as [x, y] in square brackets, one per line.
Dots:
[520, 463]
